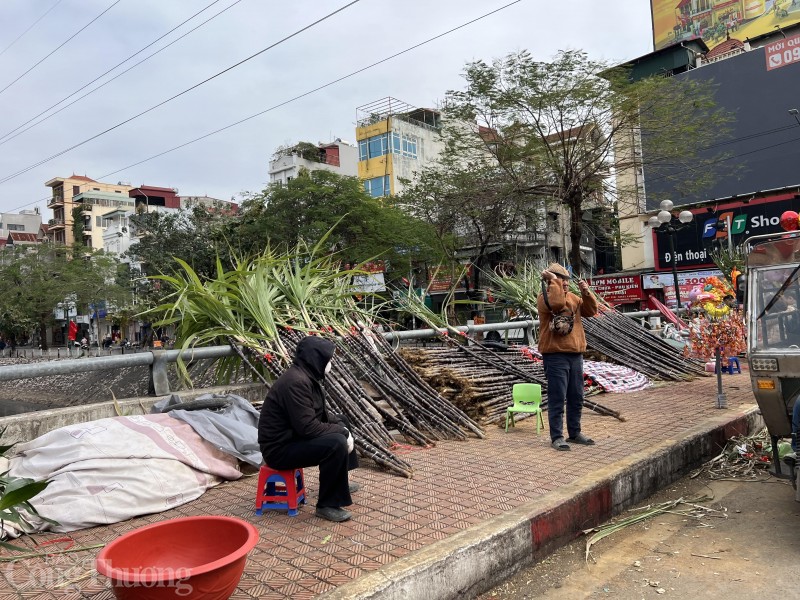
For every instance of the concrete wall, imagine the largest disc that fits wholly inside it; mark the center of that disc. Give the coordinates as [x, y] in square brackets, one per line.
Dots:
[28, 426]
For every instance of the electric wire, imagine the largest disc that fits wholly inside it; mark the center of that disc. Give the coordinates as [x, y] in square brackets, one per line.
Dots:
[80, 89]
[298, 97]
[313, 91]
[61, 45]
[178, 95]
[20, 36]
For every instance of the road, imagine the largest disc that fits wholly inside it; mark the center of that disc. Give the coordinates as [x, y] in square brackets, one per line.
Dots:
[749, 549]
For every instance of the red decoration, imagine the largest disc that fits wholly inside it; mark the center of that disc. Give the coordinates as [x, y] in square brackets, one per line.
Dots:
[789, 221]
[73, 331]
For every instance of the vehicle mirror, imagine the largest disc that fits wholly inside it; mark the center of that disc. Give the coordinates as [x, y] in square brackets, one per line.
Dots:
[741, 288]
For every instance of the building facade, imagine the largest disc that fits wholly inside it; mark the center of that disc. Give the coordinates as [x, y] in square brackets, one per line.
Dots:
[395, 139]
[62, 202]
[25, 221]
[338, 157]
[757, 81]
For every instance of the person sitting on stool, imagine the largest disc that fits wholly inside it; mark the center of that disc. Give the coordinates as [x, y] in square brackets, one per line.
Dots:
[296, 431]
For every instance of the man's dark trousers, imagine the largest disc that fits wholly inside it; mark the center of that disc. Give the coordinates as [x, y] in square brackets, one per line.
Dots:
[564, 373]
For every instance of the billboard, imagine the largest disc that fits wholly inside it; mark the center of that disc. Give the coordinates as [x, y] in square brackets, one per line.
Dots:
[618, 290]
[762, 150]
[694, 243]
[713, 20]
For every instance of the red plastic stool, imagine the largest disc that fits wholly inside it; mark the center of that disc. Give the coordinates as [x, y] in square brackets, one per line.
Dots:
[280, 490]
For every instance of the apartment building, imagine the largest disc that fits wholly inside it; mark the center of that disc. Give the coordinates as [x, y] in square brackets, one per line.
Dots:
[395, 139]
[338, 157]
[76, 190]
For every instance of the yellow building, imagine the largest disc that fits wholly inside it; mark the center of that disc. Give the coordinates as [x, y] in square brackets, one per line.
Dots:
[96, 197]
[394, 139]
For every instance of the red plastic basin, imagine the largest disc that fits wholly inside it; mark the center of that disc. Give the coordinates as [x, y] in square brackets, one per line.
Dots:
[192, 557]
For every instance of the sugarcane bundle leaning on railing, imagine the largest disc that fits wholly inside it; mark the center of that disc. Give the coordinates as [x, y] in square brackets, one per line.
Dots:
[609, 332]
[484, 363]
[265, 305]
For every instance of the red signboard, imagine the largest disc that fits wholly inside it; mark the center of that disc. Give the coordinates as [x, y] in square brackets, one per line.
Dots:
[782, 53]
[619, 290]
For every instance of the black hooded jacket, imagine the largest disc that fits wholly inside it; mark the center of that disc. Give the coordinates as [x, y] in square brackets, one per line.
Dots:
[294, 409]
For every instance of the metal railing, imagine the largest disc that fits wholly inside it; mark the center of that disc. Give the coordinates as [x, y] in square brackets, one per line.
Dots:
[158, 361]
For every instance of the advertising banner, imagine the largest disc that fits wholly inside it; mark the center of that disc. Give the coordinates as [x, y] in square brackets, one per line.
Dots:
[694, 243]
[619, 290]
[687, 281]
[713, 20]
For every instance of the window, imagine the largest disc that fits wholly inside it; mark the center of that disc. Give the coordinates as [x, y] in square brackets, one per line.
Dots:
[379, 145]
[409, 146]
[13, 227]
[76, 189]
[378, 186]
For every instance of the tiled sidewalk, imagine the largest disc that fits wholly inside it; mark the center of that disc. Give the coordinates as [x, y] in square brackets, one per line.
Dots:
[456, 485]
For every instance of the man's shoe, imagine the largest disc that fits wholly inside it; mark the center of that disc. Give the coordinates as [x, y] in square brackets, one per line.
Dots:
[354, 487]
[329, 513]
[581, 439]
[560, 444]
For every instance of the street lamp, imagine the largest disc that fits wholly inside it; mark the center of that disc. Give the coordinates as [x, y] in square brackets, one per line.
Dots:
[665, 222]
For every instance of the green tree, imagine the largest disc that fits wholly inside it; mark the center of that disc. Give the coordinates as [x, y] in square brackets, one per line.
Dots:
[37, 279]
[195, 236]
[315, 202]
[550, 128]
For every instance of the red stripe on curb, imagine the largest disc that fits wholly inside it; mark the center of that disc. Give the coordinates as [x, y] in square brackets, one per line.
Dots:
[565, 521]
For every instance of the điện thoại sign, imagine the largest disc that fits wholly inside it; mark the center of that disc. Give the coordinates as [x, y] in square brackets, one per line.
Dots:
[694, 244]
[618, 290]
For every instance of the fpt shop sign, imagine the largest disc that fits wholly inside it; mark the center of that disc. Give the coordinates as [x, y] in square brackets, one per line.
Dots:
[619, 290]
[695, 243]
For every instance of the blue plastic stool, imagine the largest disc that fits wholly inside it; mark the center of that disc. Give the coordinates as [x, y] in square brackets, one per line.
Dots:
[733, 363]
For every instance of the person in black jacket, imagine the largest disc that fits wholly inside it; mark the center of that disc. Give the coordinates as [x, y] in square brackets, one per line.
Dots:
[295, 430]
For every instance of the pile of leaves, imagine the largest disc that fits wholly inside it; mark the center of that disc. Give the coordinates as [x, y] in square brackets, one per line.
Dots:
[744, 457]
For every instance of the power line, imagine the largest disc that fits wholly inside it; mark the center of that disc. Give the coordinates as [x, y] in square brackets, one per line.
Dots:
[9, 135]
[64, 43]
[19, 37]
[316, 89]
[178, 95]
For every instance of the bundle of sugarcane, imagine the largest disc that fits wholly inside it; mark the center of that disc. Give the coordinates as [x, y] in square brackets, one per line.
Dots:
[265, 305]
[481, 390]
[620, 338]
[610, 332]
[485, 363]
[408, 393]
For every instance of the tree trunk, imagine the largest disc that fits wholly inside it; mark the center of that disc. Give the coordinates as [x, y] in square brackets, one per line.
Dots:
[575, 231]
[43, 334]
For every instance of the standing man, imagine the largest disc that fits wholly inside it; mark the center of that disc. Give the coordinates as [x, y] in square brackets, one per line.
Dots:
[295, 430]
[562, 342]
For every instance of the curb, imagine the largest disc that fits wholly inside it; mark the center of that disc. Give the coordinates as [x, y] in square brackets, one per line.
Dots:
[475, 560]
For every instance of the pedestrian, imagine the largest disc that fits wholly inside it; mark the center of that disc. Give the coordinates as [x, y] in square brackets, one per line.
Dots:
[562, 342]
[295, 430]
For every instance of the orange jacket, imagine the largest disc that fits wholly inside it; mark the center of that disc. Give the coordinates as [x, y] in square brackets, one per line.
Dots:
[584, 305]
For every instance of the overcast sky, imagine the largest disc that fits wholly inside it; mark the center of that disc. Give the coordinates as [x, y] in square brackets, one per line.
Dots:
[236, 160]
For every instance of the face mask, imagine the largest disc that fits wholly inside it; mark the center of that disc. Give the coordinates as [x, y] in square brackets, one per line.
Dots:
[328, 367]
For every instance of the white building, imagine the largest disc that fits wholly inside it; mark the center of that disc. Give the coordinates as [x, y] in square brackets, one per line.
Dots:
[26, 221]
[338, 156]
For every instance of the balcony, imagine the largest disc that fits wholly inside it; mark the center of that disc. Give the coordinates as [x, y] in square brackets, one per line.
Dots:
[55, 224]
[55, 201]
